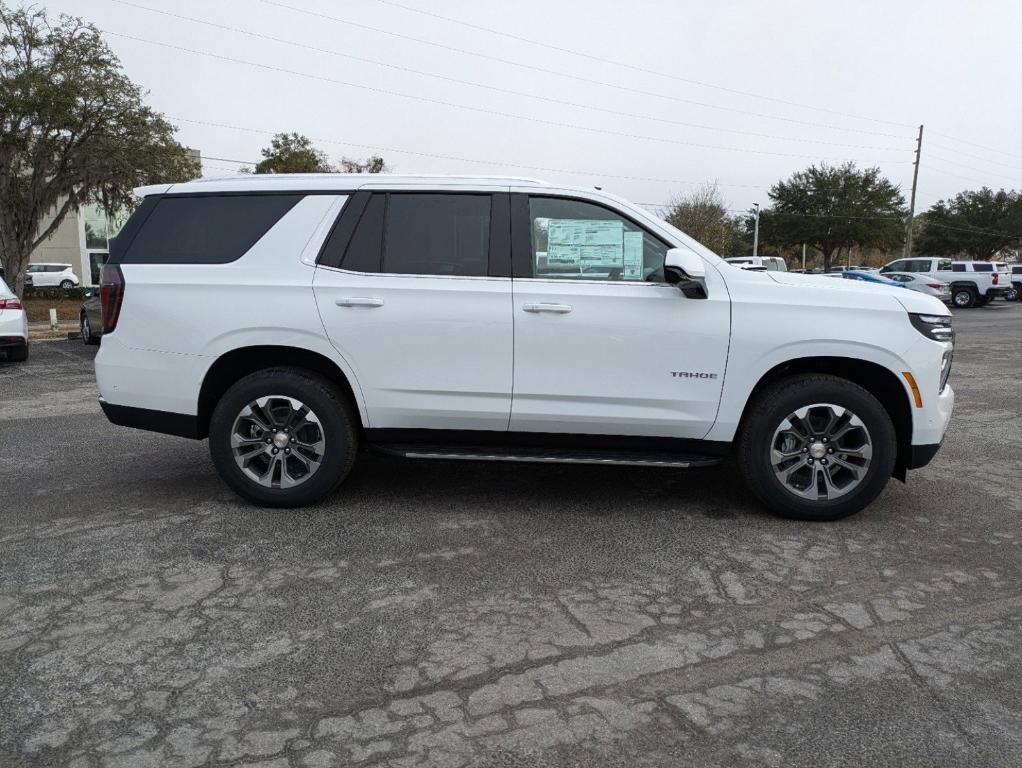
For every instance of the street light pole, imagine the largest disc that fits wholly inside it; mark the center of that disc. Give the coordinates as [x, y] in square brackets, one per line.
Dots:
[755, 236]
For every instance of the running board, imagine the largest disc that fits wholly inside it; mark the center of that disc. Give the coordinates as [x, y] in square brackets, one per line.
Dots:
[547, 455]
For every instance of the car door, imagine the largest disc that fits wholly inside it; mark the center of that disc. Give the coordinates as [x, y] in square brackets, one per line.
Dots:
[603, 345]
[414, 291]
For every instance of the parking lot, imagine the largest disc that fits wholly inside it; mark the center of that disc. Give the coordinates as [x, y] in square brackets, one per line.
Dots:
[449, 614]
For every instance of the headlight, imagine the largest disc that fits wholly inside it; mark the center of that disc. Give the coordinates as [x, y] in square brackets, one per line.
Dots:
[936, 327]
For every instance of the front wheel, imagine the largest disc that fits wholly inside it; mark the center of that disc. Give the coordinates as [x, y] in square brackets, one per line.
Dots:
[816, 447]
[66, 284]
[283, 437]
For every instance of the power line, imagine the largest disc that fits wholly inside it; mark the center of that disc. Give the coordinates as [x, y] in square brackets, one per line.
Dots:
[441, 102]
[636, 68]
[974, 144]
[974, 157]
[956, 175]
[437, 156]
[627, 89]
[550, 100]
[974, 168]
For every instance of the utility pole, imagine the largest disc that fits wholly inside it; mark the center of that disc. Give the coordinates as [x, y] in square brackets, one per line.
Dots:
[803, 257]
[912, 204]
[755, 236]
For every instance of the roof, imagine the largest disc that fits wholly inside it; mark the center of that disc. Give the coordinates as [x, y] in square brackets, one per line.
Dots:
[331, 181]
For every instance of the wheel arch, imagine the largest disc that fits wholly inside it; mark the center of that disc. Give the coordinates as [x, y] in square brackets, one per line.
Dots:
[242, 361]
[876, 379]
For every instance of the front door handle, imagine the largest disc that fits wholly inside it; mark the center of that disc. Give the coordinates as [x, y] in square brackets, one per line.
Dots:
[557, 309]
[359, 301]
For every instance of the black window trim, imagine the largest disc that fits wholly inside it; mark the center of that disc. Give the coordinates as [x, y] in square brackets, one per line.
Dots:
[498, 252]
[521, 238]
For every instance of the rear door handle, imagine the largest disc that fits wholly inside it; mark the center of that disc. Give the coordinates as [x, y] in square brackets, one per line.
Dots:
[359, 301]
[557, 309]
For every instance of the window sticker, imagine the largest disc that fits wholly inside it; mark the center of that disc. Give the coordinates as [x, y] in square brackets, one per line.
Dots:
[585, 244]
[632, 256]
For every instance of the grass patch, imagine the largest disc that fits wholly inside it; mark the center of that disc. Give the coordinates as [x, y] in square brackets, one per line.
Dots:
[38, 310]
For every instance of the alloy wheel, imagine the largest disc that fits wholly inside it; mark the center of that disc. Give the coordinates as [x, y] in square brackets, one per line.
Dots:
[821, 452]
[277, 441]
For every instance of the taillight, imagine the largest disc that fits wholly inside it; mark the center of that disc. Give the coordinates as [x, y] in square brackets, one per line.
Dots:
[938, 286]
[111, 294]
[995, 278]
[14, 303]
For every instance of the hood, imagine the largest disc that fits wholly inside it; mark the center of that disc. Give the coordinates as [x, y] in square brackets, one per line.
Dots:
[912, 301]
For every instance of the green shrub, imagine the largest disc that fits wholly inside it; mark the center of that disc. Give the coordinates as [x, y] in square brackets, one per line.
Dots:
[54, 292]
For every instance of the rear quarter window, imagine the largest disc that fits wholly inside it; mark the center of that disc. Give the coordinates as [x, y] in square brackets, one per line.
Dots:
[982, 267]
[204, 229]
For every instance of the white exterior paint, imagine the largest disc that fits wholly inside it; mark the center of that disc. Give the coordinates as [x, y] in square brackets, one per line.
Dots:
[463, 353]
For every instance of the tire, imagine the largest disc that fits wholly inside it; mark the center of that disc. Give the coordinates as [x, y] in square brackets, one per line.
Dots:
[963, 297]
[1013, 294]
[65, 284]
[88, 337]
[279, 389]
[762, 430]
[18, 354]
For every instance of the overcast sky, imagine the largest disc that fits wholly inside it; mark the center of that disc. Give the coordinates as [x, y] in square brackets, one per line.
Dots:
[742, 92]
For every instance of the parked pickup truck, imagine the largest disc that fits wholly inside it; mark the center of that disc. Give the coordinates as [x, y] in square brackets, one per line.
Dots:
[1015, 294]
[973, 283]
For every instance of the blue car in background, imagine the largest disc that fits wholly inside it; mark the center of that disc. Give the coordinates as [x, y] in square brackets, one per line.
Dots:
[869, 277]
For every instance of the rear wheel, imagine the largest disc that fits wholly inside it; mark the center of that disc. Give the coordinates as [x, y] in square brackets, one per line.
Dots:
[86, 328]
[65, 284]
[963, 297]
[283, 437]
[817, 447]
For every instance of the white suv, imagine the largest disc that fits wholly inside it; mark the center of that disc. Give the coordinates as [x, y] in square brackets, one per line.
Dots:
[41, 275]
[294, 320]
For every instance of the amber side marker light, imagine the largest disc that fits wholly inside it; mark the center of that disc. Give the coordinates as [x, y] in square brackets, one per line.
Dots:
[914, 387]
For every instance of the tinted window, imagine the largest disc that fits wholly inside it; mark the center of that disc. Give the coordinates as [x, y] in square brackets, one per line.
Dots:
[437, 234]
[1016, 270]
[982, 267]
[896, 266]
[576, 240]
[957, 267]
[206, 230]
[943, 265]
[363, 254]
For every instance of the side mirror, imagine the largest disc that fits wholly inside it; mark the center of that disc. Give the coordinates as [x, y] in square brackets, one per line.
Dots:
[685, 269]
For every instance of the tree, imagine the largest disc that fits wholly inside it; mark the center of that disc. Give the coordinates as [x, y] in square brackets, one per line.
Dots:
[978, 224]
[703, 215]
[373, 164]
[832, 207]
[73, 129]
[293, 153]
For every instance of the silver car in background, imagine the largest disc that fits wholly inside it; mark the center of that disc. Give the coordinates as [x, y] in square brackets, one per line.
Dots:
[923, 283]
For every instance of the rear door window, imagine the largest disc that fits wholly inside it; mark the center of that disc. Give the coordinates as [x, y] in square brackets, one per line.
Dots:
[982, 267]
[205, 229]
[437, 234]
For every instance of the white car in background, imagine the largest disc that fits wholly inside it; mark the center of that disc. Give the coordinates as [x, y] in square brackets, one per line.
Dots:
[42, 275]
[768, 263]
[927, 284]
[13, 325]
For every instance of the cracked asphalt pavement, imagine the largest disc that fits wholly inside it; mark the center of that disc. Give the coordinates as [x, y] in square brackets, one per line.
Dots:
[461, 614]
